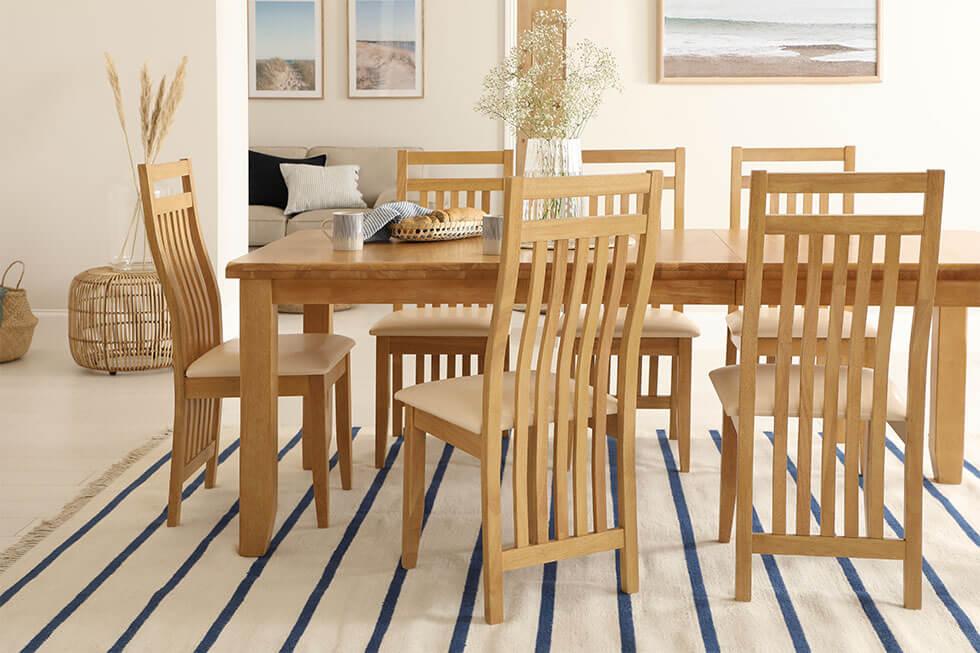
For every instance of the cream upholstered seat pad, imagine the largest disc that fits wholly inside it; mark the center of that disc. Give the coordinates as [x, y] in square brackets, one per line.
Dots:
[459, 401]
[769, 323]
[452, 321]
[308, 354]
[726, 382]
[658, 322]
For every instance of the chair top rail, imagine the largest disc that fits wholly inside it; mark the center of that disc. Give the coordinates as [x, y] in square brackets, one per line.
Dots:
[668, 155]
[475, 184]
[542, 188]
[163, 171]
[450, 157]
[792, 154]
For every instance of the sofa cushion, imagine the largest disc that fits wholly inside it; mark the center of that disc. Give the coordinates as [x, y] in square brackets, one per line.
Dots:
[313, 187]
[265, 224]
[266, 185]
[379, 166]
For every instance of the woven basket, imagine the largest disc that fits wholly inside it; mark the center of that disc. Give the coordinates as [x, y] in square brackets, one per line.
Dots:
[118, 321]
[438, 231]
[17, 322]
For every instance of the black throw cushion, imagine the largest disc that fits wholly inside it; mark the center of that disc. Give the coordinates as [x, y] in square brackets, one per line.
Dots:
[266, 187]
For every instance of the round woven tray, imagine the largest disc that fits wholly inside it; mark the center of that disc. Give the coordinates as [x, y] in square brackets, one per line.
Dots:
[440, 231]
[118, 321]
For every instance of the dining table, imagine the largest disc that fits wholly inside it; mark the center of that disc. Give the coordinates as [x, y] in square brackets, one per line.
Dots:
[694, 267]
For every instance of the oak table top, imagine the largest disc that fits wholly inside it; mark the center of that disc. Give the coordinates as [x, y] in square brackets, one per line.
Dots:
[694, 252]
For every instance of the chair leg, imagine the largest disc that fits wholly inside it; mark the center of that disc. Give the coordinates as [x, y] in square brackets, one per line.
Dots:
[345, 427]
[731, 358]
[681, 394]
[318, 400]
[726, 507]
[629, 558]
[493, 563]
[177, 463]
[673, 433]
[211, 471]
[743, 518]
[413, 494]
[382, 390]
[397, 383]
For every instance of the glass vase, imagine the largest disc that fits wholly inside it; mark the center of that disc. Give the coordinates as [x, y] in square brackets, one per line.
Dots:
[553, 157]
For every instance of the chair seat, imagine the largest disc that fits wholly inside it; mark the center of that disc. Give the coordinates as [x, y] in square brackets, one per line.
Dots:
[309, 354]
[769, 324]
[447, 321]
[459, 401]
[658, 322]
[726, 382]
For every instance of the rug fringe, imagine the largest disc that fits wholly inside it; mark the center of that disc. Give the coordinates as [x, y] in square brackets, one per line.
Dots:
[37, 534]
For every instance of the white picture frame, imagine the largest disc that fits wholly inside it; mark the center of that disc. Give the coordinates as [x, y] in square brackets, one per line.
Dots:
[285, 49]
[385, 49]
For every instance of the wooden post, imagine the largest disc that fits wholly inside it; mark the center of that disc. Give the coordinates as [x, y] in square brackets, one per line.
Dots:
[525, 16]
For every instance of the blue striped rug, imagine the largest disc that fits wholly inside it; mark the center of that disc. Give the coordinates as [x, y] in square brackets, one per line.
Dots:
[116, 578]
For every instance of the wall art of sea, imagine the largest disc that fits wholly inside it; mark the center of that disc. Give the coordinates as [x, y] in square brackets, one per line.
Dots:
[764, 39]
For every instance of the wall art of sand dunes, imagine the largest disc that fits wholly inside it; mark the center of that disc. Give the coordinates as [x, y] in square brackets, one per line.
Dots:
[385, 65]
[285, 75]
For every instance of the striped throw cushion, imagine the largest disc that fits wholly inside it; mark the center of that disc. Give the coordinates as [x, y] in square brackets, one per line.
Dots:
[314, 187]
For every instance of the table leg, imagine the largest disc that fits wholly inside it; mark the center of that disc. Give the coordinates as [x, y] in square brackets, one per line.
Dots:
[317, 318]
[258, 481]
[948, 394]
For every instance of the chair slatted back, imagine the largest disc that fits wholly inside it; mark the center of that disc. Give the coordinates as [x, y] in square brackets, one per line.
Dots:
[573, 262]
[453, 192]
[182, 262]
[807, 203]
[863, 252]
[672, 160]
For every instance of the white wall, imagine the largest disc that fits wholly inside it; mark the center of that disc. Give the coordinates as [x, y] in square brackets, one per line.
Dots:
[62, 152]
[463, 39]
[924, 114]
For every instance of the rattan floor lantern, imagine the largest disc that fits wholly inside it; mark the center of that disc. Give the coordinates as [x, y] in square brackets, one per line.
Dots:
[118, 321]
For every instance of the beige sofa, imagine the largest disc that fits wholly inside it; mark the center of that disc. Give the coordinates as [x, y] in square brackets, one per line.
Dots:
[376, 182]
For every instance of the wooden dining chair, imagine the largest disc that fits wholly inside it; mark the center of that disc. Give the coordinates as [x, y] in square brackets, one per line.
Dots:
[835, 385]
[587, 265]
[206, 369]
[667, 331]
[458, 332]
[800, 158]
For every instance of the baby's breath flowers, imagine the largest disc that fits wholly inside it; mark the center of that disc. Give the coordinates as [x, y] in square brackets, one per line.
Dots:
[544, 89]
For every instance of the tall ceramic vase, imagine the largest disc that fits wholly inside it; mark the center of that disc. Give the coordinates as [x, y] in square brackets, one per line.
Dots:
[553, 157]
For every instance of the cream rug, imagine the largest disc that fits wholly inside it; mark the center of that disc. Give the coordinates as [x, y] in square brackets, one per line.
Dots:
[115, 578]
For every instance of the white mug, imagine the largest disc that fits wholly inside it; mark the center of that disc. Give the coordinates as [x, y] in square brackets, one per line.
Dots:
[493, 234]
[348, 231]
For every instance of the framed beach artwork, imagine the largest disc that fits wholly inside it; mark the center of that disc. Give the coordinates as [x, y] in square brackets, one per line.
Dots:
[285, 49]
[385, 53]
[769, 41]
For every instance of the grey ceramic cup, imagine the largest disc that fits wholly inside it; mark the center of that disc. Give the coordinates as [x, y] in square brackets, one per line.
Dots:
[348, 231]
[493, 234]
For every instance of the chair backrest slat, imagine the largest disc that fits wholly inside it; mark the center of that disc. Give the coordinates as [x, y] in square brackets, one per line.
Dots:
[846, 156]
[182, 262]
[864, 272]
[673, 162]
[808, 355]
[573, 262]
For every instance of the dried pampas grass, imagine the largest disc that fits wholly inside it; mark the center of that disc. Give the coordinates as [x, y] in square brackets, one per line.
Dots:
[156, 109]
[156, 117]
